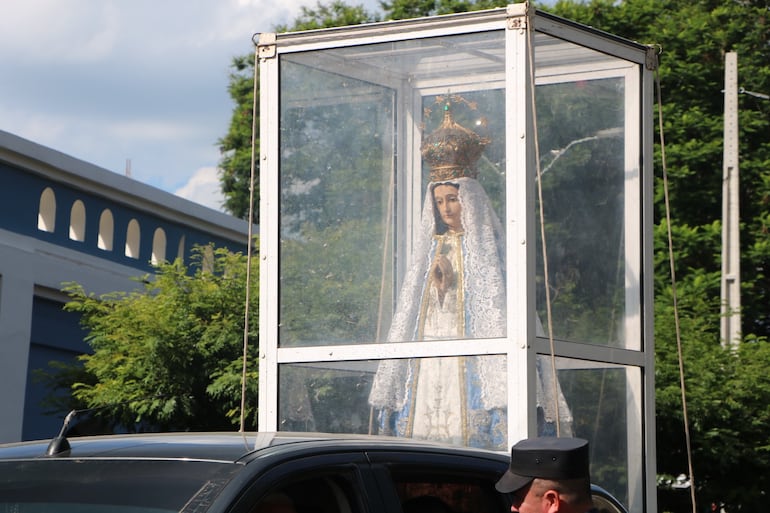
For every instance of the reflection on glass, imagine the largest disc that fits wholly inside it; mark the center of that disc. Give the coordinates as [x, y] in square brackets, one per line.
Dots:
[583, 179]
[601, 398]
[333, 397]
[329, 397]
[348, 181]
[335, 163]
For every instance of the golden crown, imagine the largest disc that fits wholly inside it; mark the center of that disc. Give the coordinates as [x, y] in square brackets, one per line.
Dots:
[452, 150]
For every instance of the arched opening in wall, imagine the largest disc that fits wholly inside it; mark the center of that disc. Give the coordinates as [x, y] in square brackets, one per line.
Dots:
[180, 249]
[158, 246]
[106, 230]
[46, 214]
[78, 221]
[132, 239]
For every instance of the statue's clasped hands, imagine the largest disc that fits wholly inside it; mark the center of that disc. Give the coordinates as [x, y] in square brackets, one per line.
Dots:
[443, 277]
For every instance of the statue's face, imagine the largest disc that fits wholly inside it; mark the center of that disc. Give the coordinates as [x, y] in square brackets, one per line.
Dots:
[448, 205]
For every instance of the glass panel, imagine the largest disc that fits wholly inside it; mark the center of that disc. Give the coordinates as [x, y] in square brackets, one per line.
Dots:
[458, 400]
[336, 160]
[603, 407]
[330, 492]
[583, 161]
[330, 397]
[453, 286]
[366, 254]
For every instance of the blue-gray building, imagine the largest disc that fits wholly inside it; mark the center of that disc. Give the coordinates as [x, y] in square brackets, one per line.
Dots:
[65, 220]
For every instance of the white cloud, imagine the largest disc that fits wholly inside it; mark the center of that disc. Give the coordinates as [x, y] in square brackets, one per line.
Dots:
[145, 81]
[203, 187]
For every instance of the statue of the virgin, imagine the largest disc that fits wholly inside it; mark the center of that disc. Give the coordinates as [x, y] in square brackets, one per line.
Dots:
[455, 289]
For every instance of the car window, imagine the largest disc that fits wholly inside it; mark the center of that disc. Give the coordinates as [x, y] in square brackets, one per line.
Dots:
[330, 493]
[447, 492]
[276, 502]
[95, 486]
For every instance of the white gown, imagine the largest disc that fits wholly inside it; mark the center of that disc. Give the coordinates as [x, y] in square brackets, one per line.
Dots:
[439, 403]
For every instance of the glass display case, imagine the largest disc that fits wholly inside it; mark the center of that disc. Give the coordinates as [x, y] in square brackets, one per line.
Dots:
[455, 223]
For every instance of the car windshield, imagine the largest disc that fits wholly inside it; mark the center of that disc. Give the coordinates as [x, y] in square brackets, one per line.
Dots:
[119, 486]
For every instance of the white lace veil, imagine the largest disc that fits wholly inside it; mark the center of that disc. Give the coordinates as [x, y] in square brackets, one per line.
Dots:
[484, 294]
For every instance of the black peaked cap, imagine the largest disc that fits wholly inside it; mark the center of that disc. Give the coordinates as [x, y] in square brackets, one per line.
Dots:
[545, 458]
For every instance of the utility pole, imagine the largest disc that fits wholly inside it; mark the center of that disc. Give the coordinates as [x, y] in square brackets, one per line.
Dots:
[731, 250]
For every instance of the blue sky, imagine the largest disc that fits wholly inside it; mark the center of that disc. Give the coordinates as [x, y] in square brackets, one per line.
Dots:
[145, 81]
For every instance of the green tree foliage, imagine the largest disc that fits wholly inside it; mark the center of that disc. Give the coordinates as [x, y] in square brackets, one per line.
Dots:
[727, 391]
[404, 9]
[170, 355]
[727, 402]
[334, 14]
[693, 38]
[583, 191]
[235, 147]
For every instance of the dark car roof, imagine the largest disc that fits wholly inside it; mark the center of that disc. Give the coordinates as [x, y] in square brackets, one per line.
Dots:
[225, 447]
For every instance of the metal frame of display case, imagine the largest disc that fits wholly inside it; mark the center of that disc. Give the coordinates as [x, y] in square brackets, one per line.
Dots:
[563, 51]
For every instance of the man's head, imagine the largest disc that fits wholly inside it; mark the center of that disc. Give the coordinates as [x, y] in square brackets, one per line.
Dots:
[548, 474]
